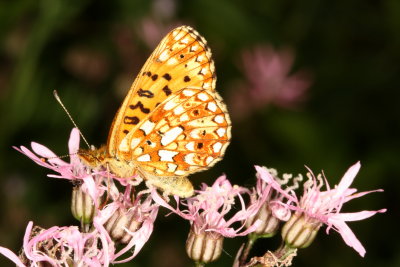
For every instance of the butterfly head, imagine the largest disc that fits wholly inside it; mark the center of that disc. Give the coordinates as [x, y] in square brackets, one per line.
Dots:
[93, 157]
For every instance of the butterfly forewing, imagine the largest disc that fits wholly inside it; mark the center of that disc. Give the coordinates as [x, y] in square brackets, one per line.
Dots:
[182, 59]
[173, 122]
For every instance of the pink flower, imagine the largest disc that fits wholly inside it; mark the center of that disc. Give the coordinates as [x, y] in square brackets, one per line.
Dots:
[152, 30]
[210, 215]
[61, 246]
[273, 208]
[268, 81]
[131, 222]
[48, 159]
[124, 218]
[208, 209]
[317, 206]
[74, 171]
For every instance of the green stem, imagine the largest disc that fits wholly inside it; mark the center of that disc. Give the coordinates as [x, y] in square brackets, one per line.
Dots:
[246, 251]
[199, 264]
[284, 252]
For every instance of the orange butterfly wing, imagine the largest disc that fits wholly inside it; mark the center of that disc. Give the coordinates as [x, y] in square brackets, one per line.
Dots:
[173, 122]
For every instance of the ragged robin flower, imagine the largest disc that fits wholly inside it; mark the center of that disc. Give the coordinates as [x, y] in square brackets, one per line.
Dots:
[271, 212]
[318, 207]
[210, 215]
[125, 218]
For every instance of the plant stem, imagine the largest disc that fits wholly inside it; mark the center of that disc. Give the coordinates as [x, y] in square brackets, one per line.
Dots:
[246, 251]
[199, 264]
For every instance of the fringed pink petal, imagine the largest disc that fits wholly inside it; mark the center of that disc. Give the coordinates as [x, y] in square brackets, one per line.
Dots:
[11, 255]
[73, 142]
[264, 174]
[356, 216]
[139, 238]
[349, 238]
[46, 153]
[348, 178]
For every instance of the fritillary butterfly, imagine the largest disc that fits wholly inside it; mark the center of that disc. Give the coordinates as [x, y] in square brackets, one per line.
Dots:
[172, 122]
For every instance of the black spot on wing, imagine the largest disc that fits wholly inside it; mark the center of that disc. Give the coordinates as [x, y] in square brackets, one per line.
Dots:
[131, 120]
[167, 76]
[166, 90]
[140, 106]
[145, 93]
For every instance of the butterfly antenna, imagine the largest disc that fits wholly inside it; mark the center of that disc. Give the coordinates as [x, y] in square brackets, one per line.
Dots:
[69, 116]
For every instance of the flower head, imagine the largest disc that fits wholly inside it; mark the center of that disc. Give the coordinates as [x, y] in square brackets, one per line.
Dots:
[273, 203]
[269, 81]
[63, 246]
[124, 217]
[128, 221]
[210, 215]
[48, 159]
[66, 246]
[93, 181]
[208, 210]
[317, 207]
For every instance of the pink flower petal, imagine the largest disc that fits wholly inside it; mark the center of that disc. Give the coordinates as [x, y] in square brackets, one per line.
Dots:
[349, 238]
[267, 177]
[356, 216]
[73, 142]
[47, 154]
[14, 258]
[348, 178]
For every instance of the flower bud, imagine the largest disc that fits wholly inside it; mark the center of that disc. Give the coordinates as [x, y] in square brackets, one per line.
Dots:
[269, 224]
[300, 230]
[204, 247]
[121, 221]
[82, 206]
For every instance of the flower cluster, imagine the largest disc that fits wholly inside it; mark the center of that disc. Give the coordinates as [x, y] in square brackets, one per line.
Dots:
[317, 207]
[208, 213]
[112, 212]
[124, 217]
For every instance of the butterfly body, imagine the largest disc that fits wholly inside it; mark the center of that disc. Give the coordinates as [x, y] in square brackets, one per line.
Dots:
[172, 122]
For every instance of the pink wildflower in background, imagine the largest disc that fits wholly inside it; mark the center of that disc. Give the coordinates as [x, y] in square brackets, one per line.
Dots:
[152, 31]
[268, 81]
[154, 27]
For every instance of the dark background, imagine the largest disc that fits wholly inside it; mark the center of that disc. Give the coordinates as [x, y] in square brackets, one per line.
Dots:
[343, 56]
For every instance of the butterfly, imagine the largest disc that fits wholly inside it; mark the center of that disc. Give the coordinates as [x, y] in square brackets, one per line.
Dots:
[172, 122]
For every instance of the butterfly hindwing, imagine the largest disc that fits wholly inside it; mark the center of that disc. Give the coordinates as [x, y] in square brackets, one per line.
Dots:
[187, 133]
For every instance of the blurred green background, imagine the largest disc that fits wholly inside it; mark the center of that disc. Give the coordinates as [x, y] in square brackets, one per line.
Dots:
[306, 82]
